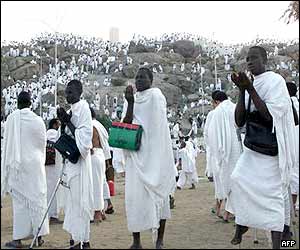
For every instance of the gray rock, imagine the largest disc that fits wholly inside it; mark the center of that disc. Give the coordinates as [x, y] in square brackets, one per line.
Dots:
[130, 70]
[139, 48]
[151, 58]
[186, 48]
[25, 72]
[118, 81]
[171, 92]
[181, 81]
[193, 97]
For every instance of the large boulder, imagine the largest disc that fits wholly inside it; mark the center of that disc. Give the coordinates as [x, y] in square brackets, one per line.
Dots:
[172, 57]
[180, 81]
[16, 62]
[25, 72]
[186, 48]
[139, 48]
[130, 71]
[193, 97]
[151, 58]
[171, 92]
[118, 81]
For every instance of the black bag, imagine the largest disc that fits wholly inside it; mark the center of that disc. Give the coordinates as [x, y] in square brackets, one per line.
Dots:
[66, 145]
[259, 136]
[50, 153]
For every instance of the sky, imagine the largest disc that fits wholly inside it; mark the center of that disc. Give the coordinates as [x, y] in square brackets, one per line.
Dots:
[227, 22]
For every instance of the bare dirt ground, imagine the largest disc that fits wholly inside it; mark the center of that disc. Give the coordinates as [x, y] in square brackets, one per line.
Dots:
[192, 225]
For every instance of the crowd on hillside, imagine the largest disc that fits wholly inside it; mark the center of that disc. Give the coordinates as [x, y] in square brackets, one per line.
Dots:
[100, 57]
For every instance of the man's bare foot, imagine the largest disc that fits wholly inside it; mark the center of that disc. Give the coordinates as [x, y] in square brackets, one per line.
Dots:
[14, 244]
[103, 215]
[226, 217]
[40, 241]
[97, 217]
[159, 245]
[218, 210]
[136, 246]
[109, 209]
[240, 230]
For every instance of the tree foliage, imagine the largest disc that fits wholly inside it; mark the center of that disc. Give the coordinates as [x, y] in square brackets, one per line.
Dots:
[292, 13]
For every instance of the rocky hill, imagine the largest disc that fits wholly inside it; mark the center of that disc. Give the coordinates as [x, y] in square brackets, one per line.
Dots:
[173, 84]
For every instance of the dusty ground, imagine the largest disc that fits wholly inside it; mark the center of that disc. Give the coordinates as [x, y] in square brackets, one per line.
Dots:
[192, 225]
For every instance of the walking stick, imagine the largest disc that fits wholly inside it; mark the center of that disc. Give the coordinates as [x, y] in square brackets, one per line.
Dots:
[238, 133]
[60, 181]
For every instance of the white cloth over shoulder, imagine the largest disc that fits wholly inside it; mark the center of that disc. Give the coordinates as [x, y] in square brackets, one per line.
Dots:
[82, 120]
[150, 172]
[224, 145]
[103, 138]
[295, 170]
[209, 160]
[258, 180]
[272, 89]
[22, 167]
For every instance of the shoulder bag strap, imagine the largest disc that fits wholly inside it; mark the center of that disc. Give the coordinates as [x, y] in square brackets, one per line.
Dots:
[296, 117]
[248, 108]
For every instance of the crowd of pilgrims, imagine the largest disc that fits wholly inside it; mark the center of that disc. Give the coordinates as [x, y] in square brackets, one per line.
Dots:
[90, 62]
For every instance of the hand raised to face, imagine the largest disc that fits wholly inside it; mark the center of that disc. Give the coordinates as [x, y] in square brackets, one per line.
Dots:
[241, 80]
[63, 116]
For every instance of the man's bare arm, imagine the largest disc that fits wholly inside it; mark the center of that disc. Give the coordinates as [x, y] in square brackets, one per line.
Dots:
[240, 110]
[130, 99]
[129, 114]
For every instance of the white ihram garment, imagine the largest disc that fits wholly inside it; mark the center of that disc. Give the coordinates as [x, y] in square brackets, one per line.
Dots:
[98, 165]
[295, 171]
[79, 198]
[258, 180]
[150, 172]
[209, 161]
[118, 160]
[23, 172]
[193, 152]
[186, 174]
[224, 145]
[212, 167]
[52, 176]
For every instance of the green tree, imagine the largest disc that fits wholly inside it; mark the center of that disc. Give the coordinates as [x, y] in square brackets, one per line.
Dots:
[292, 13]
